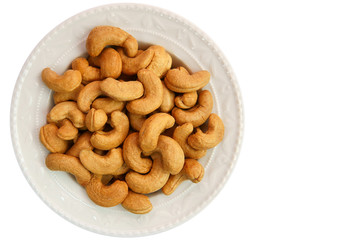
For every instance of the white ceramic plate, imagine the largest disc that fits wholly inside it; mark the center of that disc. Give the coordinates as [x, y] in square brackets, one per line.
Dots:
[32, 101]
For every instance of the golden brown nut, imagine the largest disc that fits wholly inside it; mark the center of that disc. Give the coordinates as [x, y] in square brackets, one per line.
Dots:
[70, 164]
[186, 100]
[88, 73]
[137, 203]
[109, 62]
[168, 99]
[95, 119]
[61, 83]
[87, 95]
[83, 142]
[50, 139]
[66, 96]
[131, 65]
[67, 110]
[121, 90]
[108, 105]
[66, 130]
[161, 62]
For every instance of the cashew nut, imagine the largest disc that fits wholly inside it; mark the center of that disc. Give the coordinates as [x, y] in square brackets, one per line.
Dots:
[136, 120]
[122, 91]
[102, 36]
[132, 154]
[67, 110]
[108, 105]
[66, 130]
[161, 62]
[153, 94]
[192, 170]
[209, 139]
[171, 153]
[88, 94]
[186, 100]
[50, 139]
[83, 142]
[137, 203]
[106, 196]
[70, 164]
[95, 119]
[66, 96]
[152, 128]
[181, 135]
[151, 182]
[61, 83]
[132, 65]
[113, 138]
[168, 99]
[179, 80]
[109, 62]
[198, 114]
[99, 164]
[88, 73]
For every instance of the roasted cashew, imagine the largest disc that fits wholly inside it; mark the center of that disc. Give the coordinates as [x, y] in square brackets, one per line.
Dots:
[83, 142]
[95, 119]
[186, 100]
[102, 36]
[66, 96]
[137, 203]
[198, 114]
[49, 138]
[132, 65]
[108, 140]
[132, 154]
[209, 139]
[171, 153]
[70, 164]
[168, 99]
[181, 135]
[161, 62]
[121, 90]
[88, 94]
[153, 94]
[150, 182]
[66, 130]
[99, 164]
[179, 80]
[109, 62]
[67, 110]
[106, 196]
[152, 128]
[88, 73]
[108, 105]
[192, 170]
[136, 120]
[61, 83]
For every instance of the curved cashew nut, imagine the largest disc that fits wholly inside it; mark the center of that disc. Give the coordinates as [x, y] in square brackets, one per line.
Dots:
[98, 164]
[102, 36]
[70, 164]
[95, 119]
[83, 142]
[152, 128]
[153, 94]
[137, 203]
[168, 99]
[88, 94]
[132, 65]
[179, 80]
[108, 140]
[88, 73]
[171, 153]
[67, 110]
[109, 62]
[66, 96]
[186, 100]
[181, 135]
[106, 196]
[108, 105]
[122, 91]
[136, 120]
[209, 139]
[192, 170]
[198, 114]
[61, 83]
[150, 182]
[50, 139]
[132, 154]
[66, 130]
[161, 62]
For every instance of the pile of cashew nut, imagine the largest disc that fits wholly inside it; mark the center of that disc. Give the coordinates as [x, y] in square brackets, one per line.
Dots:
[126, 124]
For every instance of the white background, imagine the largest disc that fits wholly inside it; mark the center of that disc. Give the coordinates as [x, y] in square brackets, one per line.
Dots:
[298, 172]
